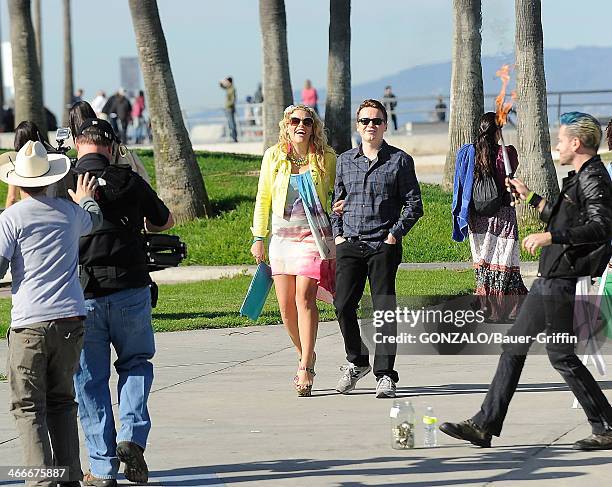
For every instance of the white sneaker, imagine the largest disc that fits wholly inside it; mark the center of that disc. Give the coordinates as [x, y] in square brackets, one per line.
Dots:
[385, 387]
[351, 374]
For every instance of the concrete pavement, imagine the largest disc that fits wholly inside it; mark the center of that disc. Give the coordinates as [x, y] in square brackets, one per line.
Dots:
[225, 413]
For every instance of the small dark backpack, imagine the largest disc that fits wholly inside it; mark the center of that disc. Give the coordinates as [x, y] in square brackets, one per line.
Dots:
[486, 196]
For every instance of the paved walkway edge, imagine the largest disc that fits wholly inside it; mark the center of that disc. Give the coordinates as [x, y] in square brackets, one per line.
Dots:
[196, 273]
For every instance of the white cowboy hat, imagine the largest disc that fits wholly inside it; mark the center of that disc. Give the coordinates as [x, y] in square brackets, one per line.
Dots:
[32, 167]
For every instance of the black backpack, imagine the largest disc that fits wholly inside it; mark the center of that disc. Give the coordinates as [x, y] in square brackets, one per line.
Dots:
[115, 183]
[486, 196]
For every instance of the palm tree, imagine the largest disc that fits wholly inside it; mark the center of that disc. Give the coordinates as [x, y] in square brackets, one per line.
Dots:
[26, 73]
[1, 81]
[536, 166]
[68, 81]
[276, 79]
[467, 99]
[179, 180]
[338, 102]
[38, 33]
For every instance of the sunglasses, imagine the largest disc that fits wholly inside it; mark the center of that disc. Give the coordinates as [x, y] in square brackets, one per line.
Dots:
[295, 121]
[366, 121]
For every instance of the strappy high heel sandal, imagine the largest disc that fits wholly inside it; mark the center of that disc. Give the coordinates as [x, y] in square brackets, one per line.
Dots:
[310, 369]
[303, 390]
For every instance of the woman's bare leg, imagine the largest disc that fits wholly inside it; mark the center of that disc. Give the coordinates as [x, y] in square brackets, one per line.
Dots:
[308, 323]
[285, 293]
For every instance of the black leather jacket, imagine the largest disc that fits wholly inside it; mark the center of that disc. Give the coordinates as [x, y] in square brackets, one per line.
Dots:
[580, 222]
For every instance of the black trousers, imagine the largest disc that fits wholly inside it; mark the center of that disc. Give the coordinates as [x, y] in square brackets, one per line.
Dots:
[356, 261]
[549, 308]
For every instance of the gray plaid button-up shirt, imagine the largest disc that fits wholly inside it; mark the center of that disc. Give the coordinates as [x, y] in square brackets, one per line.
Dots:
[380, 196]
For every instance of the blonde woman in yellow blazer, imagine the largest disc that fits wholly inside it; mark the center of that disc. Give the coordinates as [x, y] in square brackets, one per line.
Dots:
[296, 177]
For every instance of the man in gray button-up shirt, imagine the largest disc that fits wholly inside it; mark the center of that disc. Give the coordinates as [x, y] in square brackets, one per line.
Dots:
[381, 203]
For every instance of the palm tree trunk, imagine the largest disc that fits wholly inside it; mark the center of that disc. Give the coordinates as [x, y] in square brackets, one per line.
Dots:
[338, 102]
[536, 167]
[68, 81]
[26, 74]
[179, 179]
[467, 99]
[1, 79]
[37, 14]
[276, 79]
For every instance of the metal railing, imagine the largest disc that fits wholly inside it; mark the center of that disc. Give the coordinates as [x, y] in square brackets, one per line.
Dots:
[248, 117]
[417, 109]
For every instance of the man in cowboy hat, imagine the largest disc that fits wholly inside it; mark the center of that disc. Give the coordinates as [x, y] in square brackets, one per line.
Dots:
[116, 281]
[39, 237]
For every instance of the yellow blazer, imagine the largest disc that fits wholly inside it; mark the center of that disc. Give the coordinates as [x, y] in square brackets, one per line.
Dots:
[274, 182]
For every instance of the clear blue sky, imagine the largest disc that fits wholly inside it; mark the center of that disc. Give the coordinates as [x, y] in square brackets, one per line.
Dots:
[209, 39]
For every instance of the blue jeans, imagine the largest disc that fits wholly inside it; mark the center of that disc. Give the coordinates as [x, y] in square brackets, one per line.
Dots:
[123, 320]
[230, 114]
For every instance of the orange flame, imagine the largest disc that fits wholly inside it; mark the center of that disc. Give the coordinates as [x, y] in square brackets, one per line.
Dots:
[502, 108]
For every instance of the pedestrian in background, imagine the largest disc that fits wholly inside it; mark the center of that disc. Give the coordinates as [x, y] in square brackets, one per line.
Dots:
[123, 108]
[390, 102]
[440, 110]
[98, 103]
[138, 117]
[230, 106]
[310, 97]
[258, 100]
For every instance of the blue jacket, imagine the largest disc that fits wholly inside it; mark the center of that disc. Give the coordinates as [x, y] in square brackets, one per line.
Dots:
[462, 190]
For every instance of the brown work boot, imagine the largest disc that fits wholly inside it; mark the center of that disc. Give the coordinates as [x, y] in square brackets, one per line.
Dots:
[132, 455]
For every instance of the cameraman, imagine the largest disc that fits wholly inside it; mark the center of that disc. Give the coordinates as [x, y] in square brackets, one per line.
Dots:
[116, 284]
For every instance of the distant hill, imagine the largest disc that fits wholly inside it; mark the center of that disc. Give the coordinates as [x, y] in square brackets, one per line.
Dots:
[582, 68]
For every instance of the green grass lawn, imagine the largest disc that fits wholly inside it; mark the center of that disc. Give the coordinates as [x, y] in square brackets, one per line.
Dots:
[215, 304]
[231, 182]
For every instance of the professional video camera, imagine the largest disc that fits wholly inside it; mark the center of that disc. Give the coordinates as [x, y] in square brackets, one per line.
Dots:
[164, 251]
[61, 135]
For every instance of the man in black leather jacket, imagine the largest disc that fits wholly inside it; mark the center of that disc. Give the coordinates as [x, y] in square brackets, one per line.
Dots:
[576, 244]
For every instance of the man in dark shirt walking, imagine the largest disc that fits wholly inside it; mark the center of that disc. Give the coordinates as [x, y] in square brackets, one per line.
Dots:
[116, 283]
[576, 244]
[381, 203]
[123, 109]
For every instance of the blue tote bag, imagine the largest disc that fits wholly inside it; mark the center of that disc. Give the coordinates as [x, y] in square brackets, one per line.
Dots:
[258, 292]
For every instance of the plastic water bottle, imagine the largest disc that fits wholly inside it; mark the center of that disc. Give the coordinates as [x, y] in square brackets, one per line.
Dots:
[402, 425]
[430, 431]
